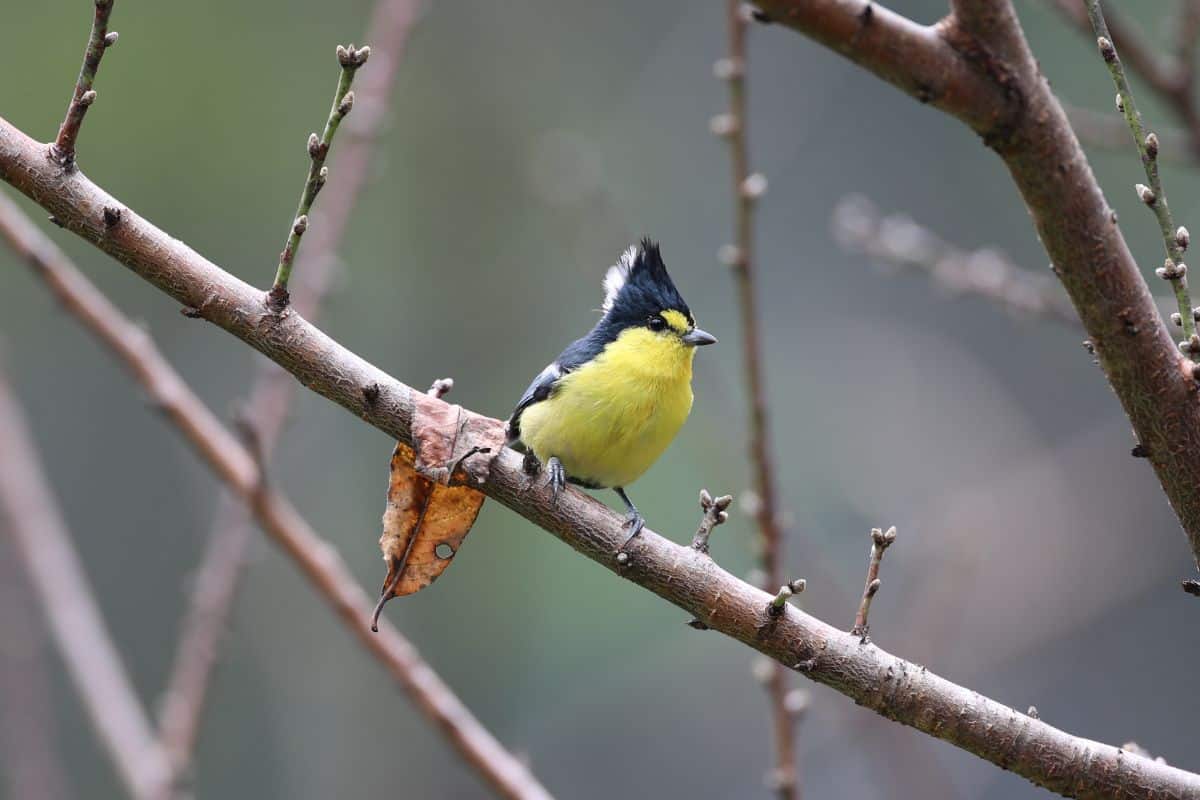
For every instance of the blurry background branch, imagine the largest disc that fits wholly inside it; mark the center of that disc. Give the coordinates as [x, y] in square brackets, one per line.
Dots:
[896, 240]
[237, 467]
[37, 528]
[271, 392]
[740, 257]
[689, 579]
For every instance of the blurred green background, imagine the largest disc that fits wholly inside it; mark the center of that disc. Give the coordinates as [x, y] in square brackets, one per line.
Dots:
[527, 144]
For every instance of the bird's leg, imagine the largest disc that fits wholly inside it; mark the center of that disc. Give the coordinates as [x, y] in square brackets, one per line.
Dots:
[556, 476]
[633, 519]
[531, 467]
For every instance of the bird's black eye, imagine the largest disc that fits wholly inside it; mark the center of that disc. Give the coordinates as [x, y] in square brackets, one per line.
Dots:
[656, 323]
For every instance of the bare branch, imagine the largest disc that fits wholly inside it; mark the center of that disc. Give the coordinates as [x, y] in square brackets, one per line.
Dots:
[63, 148]
[740, 257]
[714, 514]
[1172, 79]
[689, 579]
[32, 762]
[235, 465]
[271, 392]
[44, 545]
[1175, 240]
[897, 240]
[880, 541]
[1021, 119]
[350, 60]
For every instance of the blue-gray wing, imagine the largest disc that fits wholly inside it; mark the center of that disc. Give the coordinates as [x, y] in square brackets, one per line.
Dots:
[538, 391]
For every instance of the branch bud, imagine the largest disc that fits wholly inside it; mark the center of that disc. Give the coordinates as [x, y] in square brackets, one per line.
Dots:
[300, 225]
[1120, 104]
[314, 146]
[726, 69]
[1145, 194]
[1107, 51]
[755, 186]
[1177, 319]
[346, 105]
[1182, 238]
[87, 98]
[110, 38]
[723, 125]
[1152, 145]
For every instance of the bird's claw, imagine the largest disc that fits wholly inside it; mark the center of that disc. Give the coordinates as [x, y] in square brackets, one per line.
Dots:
[636, 522]
[556, 477]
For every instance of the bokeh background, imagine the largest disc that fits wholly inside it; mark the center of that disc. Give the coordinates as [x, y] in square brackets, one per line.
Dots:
[527, 144]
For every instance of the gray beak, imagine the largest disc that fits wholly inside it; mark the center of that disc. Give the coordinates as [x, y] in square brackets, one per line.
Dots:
[697, 337]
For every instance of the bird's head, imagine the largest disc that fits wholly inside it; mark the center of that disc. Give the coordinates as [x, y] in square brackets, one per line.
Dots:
[638, 292]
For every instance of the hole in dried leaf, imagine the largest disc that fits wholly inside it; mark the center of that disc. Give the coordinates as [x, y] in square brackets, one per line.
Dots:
[443, 550]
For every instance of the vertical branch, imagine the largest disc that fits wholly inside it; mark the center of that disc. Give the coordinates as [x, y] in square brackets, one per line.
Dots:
[63, 148]
[1175, 240]
[748, 187]
[266, 408]
[44, 545]
[350, 60]
[30, 760]
[880, 541]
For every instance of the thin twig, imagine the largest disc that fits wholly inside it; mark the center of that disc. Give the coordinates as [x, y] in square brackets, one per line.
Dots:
[1172, 78]
[350, 60]
[896, 239]
[776, 607]
[714, 514]
[57, 575]
[266, 408]
[1175, 240]
[880, 541]
[740, 256]
[235, 465]
[63, 148]
[690, 580]
[1102, 130]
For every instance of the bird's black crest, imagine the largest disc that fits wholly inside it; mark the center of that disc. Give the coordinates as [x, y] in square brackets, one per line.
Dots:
[638, 286]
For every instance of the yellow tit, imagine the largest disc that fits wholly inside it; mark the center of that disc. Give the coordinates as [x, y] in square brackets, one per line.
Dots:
[609, 405]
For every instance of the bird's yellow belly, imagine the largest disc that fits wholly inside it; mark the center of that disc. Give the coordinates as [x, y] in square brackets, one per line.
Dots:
[612, 418]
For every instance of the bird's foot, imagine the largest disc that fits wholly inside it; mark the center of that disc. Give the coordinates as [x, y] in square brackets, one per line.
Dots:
[556, 477]
[635, 522]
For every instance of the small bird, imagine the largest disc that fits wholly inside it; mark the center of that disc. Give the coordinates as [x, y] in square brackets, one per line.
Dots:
[603, 411]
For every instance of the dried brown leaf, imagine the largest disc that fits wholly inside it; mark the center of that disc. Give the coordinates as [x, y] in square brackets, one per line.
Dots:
[430, 506]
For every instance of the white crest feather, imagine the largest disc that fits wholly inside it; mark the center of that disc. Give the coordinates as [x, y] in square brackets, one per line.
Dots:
[616, 276]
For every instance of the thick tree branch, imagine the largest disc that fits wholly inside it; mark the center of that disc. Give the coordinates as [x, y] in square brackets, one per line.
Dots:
[56, 574]
[236, 466]
[271, 391]
[747, 189]
[1076, 226]
[895, 688]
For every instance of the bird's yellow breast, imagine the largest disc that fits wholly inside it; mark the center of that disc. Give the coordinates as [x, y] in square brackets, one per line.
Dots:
[611, 418]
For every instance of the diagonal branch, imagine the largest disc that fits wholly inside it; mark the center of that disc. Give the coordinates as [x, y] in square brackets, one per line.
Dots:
[236, 466]
[897, 689]
[271, 392]
[993, 84]
[56, 574]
